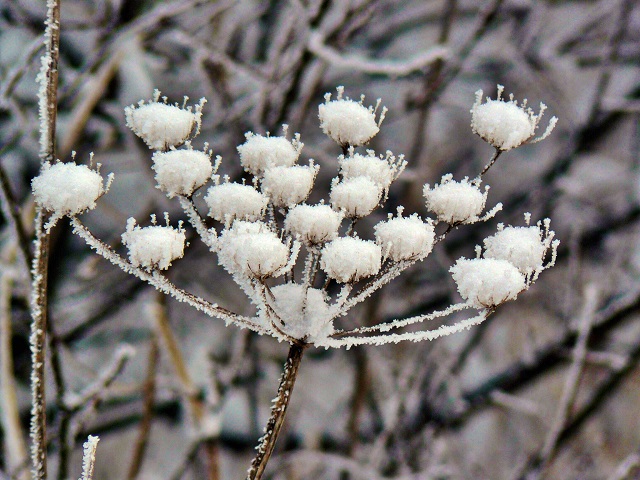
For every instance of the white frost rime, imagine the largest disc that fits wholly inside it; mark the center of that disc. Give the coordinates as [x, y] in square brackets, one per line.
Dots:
[304, 266]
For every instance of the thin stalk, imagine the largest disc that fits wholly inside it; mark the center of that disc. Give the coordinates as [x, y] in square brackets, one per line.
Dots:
[278, 412]
[493, 160]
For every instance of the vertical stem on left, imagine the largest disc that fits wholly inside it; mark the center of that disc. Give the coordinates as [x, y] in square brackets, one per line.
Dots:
[48, 100]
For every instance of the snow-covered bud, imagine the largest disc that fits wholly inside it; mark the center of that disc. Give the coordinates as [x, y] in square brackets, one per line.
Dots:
[523, 247]
[487, 282]
[259, 153]
[304, 318]
[347, 122]
[230, 201]
[250, 249]
[67, 189]
[356, 197]
[314, 224]
[404, 238]
[181, 172]
[505, 124]
[154, 246]
[288, 186]
[162, 126]
[381, 170]
[455, 202]
[349, 259]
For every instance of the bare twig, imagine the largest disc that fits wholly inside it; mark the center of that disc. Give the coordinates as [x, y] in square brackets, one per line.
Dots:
[278, 411]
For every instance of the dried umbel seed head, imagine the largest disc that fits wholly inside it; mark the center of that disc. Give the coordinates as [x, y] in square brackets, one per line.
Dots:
[259, 153]
[181, 172]
[349, 123]
[381, 170]
[251, 249]
[154, 246]
[313, 224]
[230, 201]
[455, 202]
[161, 125]
[523, 247]
[356, 197]
[405, 238]
[349, 259]
[505, 124]
[487, 282]
[288, 186]
[67, 189]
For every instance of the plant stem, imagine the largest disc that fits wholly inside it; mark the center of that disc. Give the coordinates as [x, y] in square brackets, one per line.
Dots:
[278, 411]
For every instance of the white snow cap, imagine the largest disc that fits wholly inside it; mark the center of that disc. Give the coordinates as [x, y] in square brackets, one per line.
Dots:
[381, 170]
[288, 186]
[349, 259]
[154, 246]
[250, 249]
[259, 153]
[505, 124]
[66, 189]
[402, 238]
[357, 197]
[455, 202]
[523, 247]
[348, 122]
[162, 126]
[181, 172]
[487, 282]
[230, 201]
[309, 318]
[313, 223]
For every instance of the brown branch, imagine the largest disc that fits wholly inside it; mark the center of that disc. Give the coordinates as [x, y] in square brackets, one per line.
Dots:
[278, 411]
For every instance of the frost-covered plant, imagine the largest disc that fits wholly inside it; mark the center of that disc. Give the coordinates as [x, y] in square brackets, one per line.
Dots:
[285, 254]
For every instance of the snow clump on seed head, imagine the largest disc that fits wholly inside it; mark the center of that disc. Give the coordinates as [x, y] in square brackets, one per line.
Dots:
[403, 238]
[307, 318]
[347, 122]
[288, 186]
[251, 249]
[259, 153]
[487, 282]
[162, 126]
[456, 202]
[505, 124]
[67, 189]
[523, 247]
[349, 259]
[357, 197]
[181, 172]
[314, 224]
[230, 201]
[154, 246]
[381, 170]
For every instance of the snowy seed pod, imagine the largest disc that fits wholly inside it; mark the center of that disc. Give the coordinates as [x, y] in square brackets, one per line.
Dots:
[505, 124]
[304, 318]
[404, 238]
[356, 197]
[162, 126]
[230, 201]
[375, 169]
[259, 153]
[523, 247]
[67, 189]
[287, 186]
[486, 282]
[314, 224]
[181, 172]
[455, 202]
[154, 246]
[250, 249]
[349, 259]
[348, 123]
